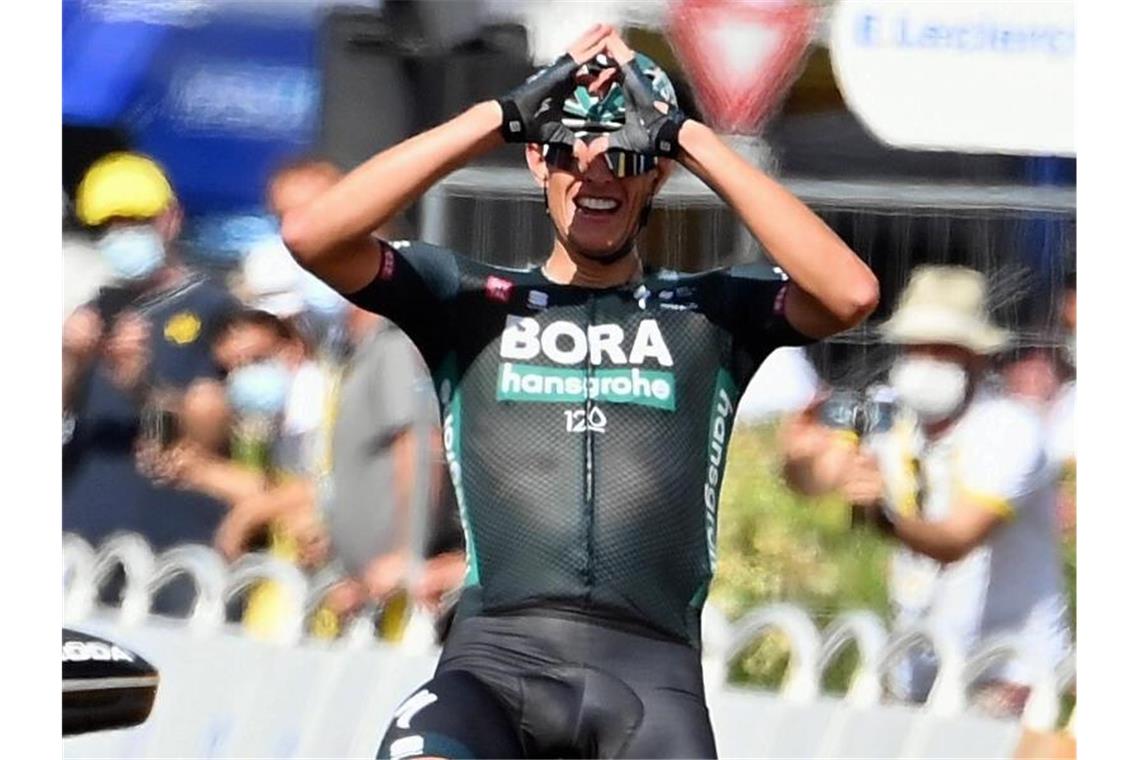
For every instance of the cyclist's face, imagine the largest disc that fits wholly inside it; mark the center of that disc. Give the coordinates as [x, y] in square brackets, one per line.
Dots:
[594, 212]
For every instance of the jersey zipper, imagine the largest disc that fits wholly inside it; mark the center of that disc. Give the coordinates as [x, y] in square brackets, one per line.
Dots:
[589, 459]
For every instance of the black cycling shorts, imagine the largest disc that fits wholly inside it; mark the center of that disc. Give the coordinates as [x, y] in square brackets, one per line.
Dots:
[543, 686]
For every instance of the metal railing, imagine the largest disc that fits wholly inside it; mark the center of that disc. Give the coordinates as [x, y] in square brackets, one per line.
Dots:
[811, 652]
[685, 190]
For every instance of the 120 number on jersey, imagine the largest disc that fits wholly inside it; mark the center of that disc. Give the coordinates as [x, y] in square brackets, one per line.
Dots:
[583, 420]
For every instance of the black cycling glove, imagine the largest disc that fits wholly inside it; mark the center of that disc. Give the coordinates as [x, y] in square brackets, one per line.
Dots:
[532, 112]
[646, 129]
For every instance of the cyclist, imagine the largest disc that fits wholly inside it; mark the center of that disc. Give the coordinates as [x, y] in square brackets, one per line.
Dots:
[587, 404]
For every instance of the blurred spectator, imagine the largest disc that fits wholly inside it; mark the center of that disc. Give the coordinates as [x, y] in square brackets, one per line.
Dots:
[279, 357]
[272, 282]
[84, 272]
[283, 401]
[272, 493]
[246, 468]
[961, 480]
[1045, 378]
[386, 409]
[1034, 375]
[129, 355]
[357, 391]
[1061, 414]
[303, 377]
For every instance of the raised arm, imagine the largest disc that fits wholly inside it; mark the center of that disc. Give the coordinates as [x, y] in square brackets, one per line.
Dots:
[833, 289]
[330, 234]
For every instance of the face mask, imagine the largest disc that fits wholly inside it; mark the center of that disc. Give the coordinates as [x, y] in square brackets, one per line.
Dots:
[260, 388]
[133, 253]
[932, 388]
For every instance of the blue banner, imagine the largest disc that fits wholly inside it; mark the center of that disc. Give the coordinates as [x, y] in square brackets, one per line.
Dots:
[219, 97]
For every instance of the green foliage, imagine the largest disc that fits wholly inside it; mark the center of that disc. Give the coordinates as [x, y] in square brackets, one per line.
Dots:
[775, 545]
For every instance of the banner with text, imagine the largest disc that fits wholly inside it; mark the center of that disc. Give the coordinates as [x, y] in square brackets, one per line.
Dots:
[962, 75]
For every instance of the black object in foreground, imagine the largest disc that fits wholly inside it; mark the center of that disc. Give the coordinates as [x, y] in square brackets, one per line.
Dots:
[104, 685]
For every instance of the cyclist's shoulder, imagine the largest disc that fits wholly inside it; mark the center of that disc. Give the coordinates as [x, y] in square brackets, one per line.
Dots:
[428, 252]
[715, 289]
[415, 248]
[752, 271]
[496, 281]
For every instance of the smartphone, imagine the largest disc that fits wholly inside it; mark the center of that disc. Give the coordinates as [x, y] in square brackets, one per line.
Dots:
[161, 425]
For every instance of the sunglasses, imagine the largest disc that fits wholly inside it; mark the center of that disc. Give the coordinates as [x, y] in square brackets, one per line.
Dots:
[623, 163]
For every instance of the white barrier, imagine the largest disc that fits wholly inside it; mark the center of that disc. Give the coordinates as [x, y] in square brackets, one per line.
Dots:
[208, 573]
[223, 694]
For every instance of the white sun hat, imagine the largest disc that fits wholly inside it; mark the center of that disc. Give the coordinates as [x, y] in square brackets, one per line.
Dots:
[271, 279]
[945, 305]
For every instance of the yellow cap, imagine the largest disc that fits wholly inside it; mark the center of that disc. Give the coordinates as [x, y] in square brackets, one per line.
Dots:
[122, 184]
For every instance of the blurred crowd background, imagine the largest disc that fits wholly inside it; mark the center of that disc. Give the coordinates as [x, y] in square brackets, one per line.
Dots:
[216, 393]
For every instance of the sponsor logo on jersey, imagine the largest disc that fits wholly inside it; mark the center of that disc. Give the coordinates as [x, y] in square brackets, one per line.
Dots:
[642, 295]
[582, 420]
[412, 705]
[529, 382]
[674, 299]
[780, 301]
[388, 265]
[620, 378]
[498, 289]
[719, 429]
[564, 342]
[406, 746]
[536, 299]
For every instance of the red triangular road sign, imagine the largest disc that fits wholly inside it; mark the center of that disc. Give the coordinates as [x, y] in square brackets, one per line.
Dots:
[740, 55]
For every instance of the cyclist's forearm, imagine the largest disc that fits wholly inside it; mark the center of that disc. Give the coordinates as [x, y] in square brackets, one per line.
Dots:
[813, 256]
[377, 190]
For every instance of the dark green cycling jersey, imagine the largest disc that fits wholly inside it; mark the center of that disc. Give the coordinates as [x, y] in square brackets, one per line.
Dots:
[586, 429]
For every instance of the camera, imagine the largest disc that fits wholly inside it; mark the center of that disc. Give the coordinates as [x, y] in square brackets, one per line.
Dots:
[860, 412]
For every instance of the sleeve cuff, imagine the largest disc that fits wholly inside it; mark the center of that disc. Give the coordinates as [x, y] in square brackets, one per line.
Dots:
[997, 504]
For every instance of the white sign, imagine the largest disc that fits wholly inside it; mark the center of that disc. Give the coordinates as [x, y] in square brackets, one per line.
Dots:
[963, 75]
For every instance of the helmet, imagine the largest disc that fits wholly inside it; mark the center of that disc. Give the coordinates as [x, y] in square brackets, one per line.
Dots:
[584, 112]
